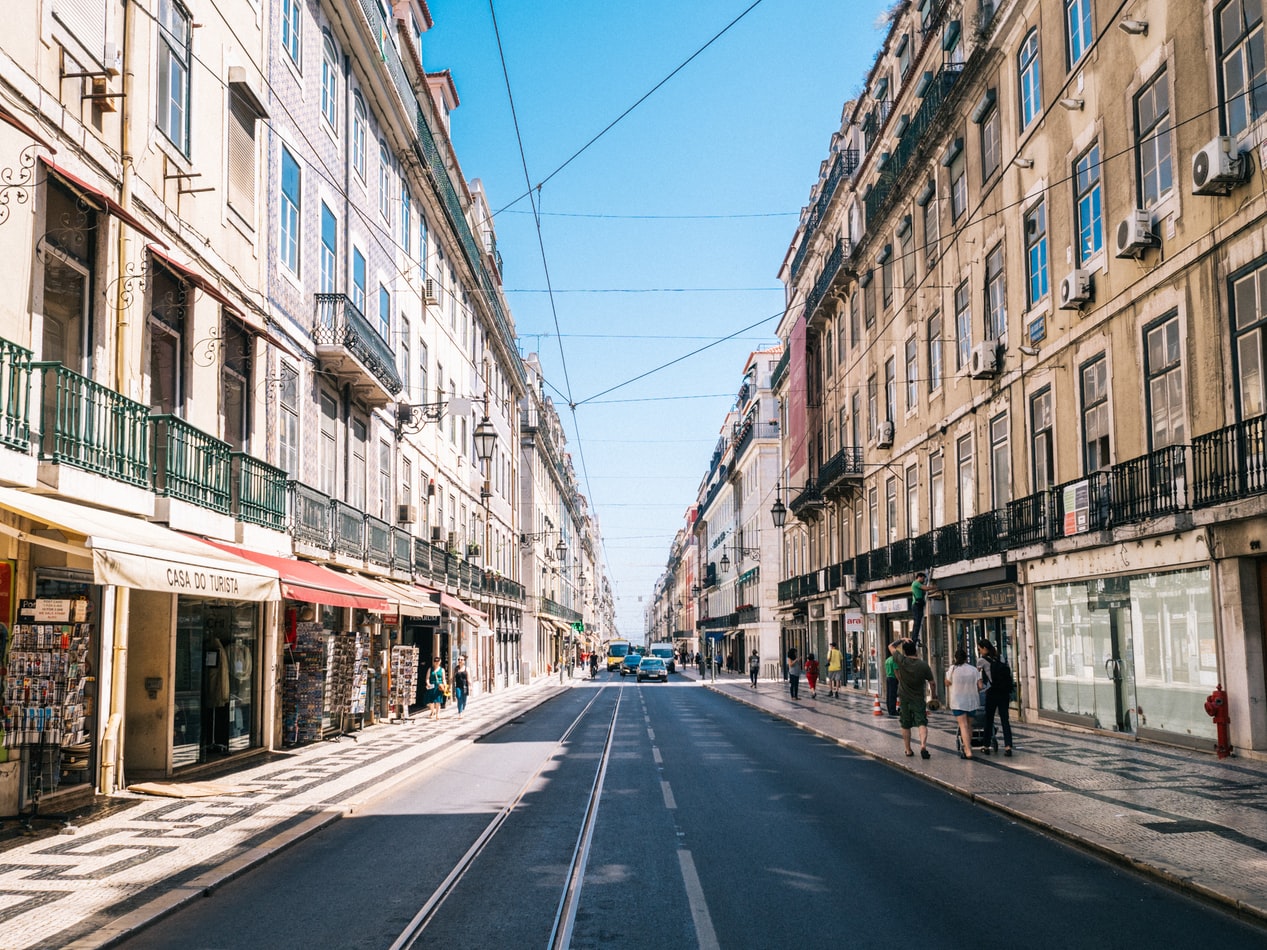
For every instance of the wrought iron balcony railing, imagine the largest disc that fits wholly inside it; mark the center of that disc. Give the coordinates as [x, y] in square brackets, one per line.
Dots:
[338, 322]
[259, 491]
[190, 465]
[15, 396]
[845, 467]
[1150, 486]
[378, 542]
[309, 515]
[349, 529]
[1230, 463]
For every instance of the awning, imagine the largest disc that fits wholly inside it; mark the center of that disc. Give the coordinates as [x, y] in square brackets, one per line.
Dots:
[104, 201]
[312, 583]
[11, 119]
[130, 552]
[411, 601]
[193, 276]
[454, 605]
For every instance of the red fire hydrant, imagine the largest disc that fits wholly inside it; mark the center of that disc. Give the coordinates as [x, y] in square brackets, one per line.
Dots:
[1216, 709]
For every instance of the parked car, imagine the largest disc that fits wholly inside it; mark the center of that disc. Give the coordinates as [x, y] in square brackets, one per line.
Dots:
[653, 668]
[630, 664]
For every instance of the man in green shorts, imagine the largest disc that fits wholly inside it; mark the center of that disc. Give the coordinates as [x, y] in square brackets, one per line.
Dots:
[912, 674]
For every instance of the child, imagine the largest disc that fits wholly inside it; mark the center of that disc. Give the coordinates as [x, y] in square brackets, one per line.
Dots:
[811, 675]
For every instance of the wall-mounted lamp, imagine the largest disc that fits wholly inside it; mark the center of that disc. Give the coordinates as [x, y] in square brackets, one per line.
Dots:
[1023, 162]
[778, 511]
[1028, 350]
[1072, 104]
[740, 554]
[1133, 27]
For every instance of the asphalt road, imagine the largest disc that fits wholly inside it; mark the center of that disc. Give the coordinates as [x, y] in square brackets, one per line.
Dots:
[717, 826]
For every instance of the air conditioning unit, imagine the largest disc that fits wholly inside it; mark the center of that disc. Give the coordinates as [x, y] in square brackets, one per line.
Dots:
[1219, 167]
[436, 533]
[840, 599]
[849, 582]
[430, 296]
[885, 439]
[1075, 289]
[406, 514]
[984, 363]
[1134, 234]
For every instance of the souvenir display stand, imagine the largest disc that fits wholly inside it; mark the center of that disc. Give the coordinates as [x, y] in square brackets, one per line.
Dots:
[404, 681]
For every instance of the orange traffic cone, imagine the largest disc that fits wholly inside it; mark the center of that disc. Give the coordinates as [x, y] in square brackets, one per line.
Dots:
[877, 711]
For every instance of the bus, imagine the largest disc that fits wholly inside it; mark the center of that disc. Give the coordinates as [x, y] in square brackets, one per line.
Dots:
[617, 650]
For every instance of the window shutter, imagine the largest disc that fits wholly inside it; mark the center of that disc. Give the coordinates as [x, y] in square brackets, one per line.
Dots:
[241, 191]
[86, 21]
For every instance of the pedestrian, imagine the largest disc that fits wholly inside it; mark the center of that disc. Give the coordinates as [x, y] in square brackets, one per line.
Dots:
[699, 659]
[593, 665]
[919, 597]
[835, 668]
[461, 685]
[811, 675]
[912, 674]
[998, 693]
[963, 690]
[754, 666]
[435, 688]
[794, 669]
[890, 684]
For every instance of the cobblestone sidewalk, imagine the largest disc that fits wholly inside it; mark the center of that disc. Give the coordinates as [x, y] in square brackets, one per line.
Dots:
[1186, 817]
[132, 864]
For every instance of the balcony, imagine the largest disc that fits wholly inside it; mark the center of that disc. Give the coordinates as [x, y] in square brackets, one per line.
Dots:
[1229, 463]
[190, 465]
[349, 530]
[15, 396]
[552, 609]
[1082, 505]
[949, 544]
[309, 517]
[1029, 520]
[1150, 486]
[352, 350]
[842, 472]
[807, 505]
[844, 165]
[831, 267]
[378, 542]
[402, 553]
[90, 427]
[986, 534]
[259, 492]
[780, 369]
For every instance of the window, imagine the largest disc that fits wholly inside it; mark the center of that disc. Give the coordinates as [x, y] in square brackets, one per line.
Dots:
[890, 507]
[1095, 415]
[1000, 462]
[166, 326]
[1036, 252]
[1163, 367]
[1152, 141]
[288, 430]
[991, 147]
[912, 500]
[936, 489]
[290, 29]
[1249, 316]
[406, 357]
[963, 326]
[406, 219]
[422, 369]
[358, 436]
[1078, 35]
[855, 419]
[1042, 440]
[904, 55]
[328, 448]
[358, 280]
[967, 478]
[908, 258]
[932, 233]
[934, 352]
[240, 150]
[841, 351]
[958, 187]
[890, 389]
[855, 313]
[873, 516]
[384, 313]
[1086, 174]
[453, 425]
[385, 481]
[912, 373]
[1243, 63]
[829, 351]
[1030, 79]
[868, 296]
[174, 56]
[385, 178]
[235, 384]
[288, 238]
[873, 407]
[995, 296]
[422, 251]
[406, 482]
[359, 132]
[329, 81]
[886, 275]
[329, 250]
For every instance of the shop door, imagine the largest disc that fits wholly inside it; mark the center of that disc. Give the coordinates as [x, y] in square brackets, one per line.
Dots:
[1119, 669]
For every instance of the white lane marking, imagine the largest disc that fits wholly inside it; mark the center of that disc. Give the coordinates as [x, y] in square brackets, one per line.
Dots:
[669, 803]
[651, 734]
[705, 936]
[655, 755]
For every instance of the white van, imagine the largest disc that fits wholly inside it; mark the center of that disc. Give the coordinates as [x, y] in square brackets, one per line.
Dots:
[665, 652]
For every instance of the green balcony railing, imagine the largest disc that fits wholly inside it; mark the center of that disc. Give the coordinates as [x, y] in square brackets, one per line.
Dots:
[190, 465]
[15, 396]
[92, 427]
[339, 322]
[259, 492]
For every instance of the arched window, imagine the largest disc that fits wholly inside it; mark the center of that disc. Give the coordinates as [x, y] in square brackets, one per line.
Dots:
[359, 124]
[329, 82]
[1031, 91]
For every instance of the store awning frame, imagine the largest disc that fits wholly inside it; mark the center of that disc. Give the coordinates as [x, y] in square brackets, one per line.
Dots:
[456, 605]
[96, 195]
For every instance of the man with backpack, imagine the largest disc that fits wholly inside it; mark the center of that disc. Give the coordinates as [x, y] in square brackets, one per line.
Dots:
[998, 693]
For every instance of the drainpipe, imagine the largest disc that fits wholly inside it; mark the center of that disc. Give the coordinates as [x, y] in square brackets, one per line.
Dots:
[112, 740]
[122, 324]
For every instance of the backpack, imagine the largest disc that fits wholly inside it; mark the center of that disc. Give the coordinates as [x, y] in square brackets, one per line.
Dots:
[1000, 675]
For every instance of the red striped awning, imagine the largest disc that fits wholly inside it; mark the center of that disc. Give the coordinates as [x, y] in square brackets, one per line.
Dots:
[312, 583]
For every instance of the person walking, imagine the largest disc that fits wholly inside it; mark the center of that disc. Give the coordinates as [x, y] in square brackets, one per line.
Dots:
[461, 685]
[963, 690]
[912, 674]
[835, 668]
[699, 660]
[811, 675]
[795, 667]
[435, 688]
[890, 684]
[754, 667]
[919, 598]
[998, 693]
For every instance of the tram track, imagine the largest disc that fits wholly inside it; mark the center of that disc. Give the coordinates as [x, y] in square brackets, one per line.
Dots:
[565, 913]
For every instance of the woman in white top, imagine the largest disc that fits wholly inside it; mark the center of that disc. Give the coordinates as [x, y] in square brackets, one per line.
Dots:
[964, 684]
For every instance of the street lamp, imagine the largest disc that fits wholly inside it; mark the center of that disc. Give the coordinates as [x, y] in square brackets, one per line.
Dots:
[485, 442]
[778, 511]
[740, 554]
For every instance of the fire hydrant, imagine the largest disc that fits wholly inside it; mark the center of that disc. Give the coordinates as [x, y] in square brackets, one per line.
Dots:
[1216, 709]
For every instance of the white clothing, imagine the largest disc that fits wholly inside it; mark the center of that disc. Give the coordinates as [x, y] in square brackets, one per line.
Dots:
[963, 681]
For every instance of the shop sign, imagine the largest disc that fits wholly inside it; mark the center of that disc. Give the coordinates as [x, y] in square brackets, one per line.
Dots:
[1077, 501]
[999, 599]
[853, 621]
[891, 605]
[52, 611]
[195, 580]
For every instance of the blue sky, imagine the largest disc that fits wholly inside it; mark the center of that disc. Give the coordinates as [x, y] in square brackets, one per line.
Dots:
[666, 234]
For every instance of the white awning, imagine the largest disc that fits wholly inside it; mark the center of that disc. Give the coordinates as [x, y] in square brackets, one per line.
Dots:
[130, 552]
